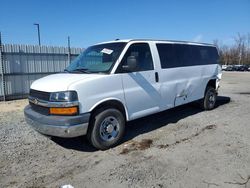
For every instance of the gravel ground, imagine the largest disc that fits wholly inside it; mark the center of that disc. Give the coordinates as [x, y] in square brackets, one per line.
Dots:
[182, 147]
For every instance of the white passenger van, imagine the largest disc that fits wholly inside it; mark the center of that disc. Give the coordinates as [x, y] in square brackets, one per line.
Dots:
[114, 82]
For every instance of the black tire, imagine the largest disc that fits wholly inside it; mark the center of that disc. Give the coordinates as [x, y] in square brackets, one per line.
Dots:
[209, 100]
[107, 128]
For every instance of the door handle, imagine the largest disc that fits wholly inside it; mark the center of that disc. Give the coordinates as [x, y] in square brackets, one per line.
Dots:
[156, 77]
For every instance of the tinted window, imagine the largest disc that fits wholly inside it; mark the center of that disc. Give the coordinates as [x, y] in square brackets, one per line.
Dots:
[143, 55]
[168, 55]
[208, 55]
[178, 55]
[184, 54]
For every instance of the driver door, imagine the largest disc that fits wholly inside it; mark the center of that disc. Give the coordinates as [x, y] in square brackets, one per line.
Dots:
[141, 86]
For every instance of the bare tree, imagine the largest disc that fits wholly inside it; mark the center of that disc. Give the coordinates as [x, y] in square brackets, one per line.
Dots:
[237, 53]
[240, 41]
[248, 49]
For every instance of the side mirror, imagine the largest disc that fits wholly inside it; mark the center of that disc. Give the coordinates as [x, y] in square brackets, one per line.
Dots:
[131, 64]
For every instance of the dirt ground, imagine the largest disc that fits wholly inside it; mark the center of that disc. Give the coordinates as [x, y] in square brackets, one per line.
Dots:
[182, 147]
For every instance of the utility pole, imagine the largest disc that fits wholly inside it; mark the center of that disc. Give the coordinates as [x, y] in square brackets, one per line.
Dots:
[38, 33]
[2, 68]
[69, 49]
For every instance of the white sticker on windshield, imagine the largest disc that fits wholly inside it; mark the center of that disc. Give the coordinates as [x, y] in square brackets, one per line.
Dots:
[107, 51]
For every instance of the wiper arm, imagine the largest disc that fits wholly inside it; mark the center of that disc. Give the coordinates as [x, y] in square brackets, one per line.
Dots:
[83, 70]
[66, 70]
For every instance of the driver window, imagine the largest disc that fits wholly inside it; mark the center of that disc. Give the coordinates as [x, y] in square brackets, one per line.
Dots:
[141, 52]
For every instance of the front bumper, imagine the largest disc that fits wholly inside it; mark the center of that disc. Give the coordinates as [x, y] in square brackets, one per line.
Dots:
[61, 126]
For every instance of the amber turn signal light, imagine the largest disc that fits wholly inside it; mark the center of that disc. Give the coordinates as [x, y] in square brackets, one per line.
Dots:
[64, 111]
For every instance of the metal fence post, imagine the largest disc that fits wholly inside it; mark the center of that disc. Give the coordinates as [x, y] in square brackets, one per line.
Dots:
[2, 67]
[69, 58]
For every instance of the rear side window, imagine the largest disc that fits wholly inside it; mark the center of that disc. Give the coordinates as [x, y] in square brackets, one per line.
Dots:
[208, 55]
[143, 55]
[181, 55]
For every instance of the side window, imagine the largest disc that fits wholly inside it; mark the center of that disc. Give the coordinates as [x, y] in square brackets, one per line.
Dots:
[180, 55]
[208, 55]
[184, 55]
[170, 55]
[204, 55]
[196, 56]
[142, 53]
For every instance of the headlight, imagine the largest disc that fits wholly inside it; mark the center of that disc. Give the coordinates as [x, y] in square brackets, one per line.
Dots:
[63, 96]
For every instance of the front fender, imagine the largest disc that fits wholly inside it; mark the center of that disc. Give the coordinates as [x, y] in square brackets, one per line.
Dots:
[110, 99]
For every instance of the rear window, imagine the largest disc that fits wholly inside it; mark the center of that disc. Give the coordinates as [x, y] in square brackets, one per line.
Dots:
[180, 55]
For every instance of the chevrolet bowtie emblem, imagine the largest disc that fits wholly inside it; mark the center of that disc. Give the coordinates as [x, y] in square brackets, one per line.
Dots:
[35, 101]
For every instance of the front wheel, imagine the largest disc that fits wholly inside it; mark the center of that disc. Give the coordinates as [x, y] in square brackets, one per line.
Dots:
[106, 128]
[209, 100]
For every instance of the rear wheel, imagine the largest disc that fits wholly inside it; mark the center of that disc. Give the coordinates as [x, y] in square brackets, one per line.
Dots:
[106, 128]
[209, 100]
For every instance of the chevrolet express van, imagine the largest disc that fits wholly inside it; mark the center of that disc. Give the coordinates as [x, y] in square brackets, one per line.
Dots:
[114, 82]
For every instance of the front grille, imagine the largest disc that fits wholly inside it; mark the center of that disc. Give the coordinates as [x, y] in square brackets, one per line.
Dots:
[40, 94]
[40, 109]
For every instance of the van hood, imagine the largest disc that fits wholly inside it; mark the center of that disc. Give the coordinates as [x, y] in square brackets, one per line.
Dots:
[60, 82]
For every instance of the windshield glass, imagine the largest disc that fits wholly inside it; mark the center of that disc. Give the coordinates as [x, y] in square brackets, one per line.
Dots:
[97, 59]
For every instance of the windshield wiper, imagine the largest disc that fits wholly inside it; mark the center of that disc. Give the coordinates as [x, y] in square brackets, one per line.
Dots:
[66, 70]
[83, 70]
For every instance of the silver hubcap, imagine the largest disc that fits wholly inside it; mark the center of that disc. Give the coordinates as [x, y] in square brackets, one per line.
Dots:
[109, 128]
[211, 99]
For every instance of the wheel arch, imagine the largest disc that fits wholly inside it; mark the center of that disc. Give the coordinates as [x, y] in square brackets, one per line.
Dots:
[212, 83]
[110, 102]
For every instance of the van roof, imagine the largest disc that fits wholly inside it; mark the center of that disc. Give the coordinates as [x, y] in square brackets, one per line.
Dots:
[159, 41]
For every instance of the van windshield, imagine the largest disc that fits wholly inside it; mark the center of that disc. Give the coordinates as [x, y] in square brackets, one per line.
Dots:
[97, 59]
